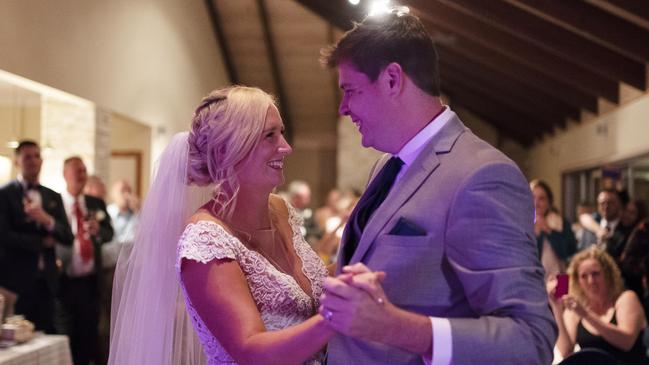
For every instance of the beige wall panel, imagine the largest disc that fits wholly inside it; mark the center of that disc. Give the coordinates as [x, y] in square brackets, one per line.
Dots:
[152, 60]
[613, 136]
[129, 135]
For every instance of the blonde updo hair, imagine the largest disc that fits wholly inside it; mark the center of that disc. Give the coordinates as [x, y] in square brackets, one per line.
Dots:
[226, 126]
[611, 272]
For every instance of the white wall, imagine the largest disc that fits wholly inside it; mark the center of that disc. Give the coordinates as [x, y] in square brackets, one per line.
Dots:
[151, 60]
[616, 135]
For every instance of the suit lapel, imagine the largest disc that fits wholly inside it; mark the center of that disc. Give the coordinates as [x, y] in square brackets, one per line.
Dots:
[425, 164]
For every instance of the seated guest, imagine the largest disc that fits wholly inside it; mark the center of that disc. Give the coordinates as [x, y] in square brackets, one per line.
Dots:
[123, 214]
[584, 208]
[635, 254]
[598, 312]
[607, 232]
[554, 237]
[634, 211]
[32, 223]
[299, 195]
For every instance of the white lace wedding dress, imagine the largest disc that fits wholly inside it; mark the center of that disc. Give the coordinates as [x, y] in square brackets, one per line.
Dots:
[279, 298]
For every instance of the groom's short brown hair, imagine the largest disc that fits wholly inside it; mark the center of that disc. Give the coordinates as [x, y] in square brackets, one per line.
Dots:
[382, 39]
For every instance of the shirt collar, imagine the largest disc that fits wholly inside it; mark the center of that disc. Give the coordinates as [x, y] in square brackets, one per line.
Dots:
[24, 182]
[610, 224]
[411, 150]
[68, 199]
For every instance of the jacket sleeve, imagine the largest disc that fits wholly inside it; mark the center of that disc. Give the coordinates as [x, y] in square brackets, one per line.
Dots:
[105, 226]
[12, 239]
[62, 231]
[491, 248]
[564, 242]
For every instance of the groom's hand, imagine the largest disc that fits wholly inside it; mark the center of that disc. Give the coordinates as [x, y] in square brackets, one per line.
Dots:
[355, 305]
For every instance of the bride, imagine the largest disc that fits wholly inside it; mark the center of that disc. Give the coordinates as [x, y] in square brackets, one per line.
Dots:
[216, 249]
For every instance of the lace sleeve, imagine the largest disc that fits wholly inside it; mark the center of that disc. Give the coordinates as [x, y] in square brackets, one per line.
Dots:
[205, 241]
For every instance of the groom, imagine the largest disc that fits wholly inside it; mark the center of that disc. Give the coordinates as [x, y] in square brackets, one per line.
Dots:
[448, 217]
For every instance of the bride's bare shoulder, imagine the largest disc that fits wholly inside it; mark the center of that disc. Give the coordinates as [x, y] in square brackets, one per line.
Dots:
[204, 215]
[278, 204]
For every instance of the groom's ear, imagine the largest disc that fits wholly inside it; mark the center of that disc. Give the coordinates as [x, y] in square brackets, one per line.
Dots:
[392, 78]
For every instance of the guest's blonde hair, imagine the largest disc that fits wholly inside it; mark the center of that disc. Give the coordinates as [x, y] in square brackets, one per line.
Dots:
[226, 127]
[611, 272]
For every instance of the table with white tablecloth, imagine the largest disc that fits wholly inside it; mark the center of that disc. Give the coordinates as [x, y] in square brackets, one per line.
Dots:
[41, 350]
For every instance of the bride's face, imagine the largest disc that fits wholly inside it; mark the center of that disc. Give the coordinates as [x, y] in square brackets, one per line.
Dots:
[264, 167]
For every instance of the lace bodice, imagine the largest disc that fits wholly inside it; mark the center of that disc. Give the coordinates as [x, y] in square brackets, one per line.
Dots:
[280, 299]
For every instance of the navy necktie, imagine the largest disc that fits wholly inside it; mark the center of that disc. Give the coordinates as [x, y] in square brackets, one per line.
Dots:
[373, 197]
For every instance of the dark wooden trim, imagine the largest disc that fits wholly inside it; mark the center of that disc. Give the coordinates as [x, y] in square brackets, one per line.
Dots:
[137, 155]
[619, 35]
[639, 8]
[478, 73]
[556, 39]
[526, 74]
[222, 41]
[536, 111]
[337, 12]
[480, 36]
[275, 70]
[517, 124]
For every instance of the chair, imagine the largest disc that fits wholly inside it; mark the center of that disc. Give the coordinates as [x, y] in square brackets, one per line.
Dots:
[589, 356]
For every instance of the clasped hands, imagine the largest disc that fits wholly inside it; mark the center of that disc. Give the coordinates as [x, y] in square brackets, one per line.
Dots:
[354, 303]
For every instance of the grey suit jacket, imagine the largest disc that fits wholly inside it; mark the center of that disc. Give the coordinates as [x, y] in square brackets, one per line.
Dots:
[455, 237]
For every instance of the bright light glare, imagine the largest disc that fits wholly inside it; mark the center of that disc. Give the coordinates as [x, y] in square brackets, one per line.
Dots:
[354, 2]
[379, 7]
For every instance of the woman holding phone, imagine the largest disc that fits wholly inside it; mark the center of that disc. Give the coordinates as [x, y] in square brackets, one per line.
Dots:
[598, 312]
[554, 237]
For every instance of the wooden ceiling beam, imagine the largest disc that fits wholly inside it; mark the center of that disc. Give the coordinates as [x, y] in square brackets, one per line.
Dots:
[496, 79]
[215, 20]
[639, 8]
[502, 123]
[496, 110]
[340, 13]
[601, 26]
[465, 29]
[546, 117]
[563, 43]
[532, 77]
[275, 70]
[540, 123]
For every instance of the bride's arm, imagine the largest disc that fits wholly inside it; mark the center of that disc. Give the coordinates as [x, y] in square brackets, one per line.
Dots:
[220, 295]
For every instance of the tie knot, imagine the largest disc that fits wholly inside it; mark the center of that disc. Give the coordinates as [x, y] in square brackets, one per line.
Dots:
[395, 162]
[391, 169]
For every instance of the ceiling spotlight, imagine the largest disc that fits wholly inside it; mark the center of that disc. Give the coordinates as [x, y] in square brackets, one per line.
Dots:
[354, 2]
[379, 7]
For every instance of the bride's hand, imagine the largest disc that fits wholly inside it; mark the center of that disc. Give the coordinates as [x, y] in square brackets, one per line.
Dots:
[361, 277]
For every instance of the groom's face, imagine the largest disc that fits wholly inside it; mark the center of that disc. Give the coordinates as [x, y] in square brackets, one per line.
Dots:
[364, 102]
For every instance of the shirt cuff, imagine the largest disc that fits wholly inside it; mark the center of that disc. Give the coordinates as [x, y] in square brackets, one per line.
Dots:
[442, 342]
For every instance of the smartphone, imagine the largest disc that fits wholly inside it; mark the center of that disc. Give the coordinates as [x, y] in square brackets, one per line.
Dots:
[562, 286]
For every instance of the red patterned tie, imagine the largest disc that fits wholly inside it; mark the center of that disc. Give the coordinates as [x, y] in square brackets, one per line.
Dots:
[85, 246]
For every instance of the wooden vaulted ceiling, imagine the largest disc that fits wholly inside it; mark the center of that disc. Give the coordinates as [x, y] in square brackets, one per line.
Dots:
[524, 66]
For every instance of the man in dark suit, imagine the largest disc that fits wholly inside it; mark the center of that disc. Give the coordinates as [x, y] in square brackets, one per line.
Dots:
[79, 301]
[446, 216]
[604, 228]
[32, 222]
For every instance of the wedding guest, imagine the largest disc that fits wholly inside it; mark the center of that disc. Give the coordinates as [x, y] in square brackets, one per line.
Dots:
[32, 223]
[78, 309]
